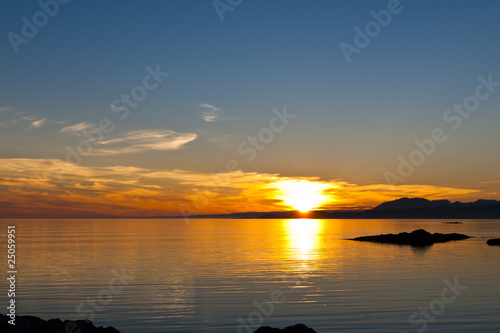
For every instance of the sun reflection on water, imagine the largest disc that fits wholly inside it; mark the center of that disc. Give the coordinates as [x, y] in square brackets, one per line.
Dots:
[303, 238]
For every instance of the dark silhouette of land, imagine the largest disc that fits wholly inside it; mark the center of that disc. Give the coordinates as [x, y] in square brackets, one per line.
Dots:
[418, 238]
[299, 328]
[404, 208]
[31, 324]
[495, 241]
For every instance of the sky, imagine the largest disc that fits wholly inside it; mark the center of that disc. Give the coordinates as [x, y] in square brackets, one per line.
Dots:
[166, 108]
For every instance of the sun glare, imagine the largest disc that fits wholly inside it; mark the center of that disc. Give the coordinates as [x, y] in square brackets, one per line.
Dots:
[302, 195]
[303, 237]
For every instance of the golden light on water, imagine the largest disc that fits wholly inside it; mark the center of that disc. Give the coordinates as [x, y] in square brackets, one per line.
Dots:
[302, 195]
[303, 237]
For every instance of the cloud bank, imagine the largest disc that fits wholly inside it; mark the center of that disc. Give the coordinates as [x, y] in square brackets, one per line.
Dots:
[55, 188]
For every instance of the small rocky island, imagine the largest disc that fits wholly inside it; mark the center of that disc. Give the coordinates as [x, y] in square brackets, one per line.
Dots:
[420, 238]
[299, 328]
[495, 241]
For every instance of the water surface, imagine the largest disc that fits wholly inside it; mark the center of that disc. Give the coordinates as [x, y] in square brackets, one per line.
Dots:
[212, 275]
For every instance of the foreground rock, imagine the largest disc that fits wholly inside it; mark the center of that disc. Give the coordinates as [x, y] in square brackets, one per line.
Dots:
[495, 241]
[31, 324]
[416, 238]
[299, 328]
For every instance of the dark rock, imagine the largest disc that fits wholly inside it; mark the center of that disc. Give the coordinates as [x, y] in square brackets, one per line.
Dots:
[416, 238]
[31, 324]
[454, 222]
[298, 328]
[495, 241]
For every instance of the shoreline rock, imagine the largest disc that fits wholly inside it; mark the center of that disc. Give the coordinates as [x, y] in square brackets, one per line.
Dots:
[417, 238]
[495, 241]
[32, 324]
[298, 328]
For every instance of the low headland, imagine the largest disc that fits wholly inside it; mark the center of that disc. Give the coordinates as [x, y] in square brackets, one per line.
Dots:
[403, 208]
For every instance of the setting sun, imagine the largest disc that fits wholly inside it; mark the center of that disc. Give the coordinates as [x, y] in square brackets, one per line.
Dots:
[302, 195]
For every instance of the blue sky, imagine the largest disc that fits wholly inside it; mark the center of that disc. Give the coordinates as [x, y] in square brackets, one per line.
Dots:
[353, 120]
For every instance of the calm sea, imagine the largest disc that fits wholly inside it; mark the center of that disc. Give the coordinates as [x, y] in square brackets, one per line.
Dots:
[234, 275]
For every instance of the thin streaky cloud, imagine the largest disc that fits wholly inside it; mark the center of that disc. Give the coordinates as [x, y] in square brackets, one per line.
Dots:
[114, 107]
[490, 182]
[26, 118]
[76, 128]
[210, 116]
[13, 118]
[222, 141]
[142, 140]
[141, 135]
[39, 123]
[213, 113]
[209, 106]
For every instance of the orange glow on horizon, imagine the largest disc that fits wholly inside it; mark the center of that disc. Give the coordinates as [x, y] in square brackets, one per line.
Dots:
[45, 188]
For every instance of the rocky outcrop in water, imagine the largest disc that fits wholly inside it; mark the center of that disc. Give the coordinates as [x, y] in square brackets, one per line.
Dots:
[31, 324]
[416, 238]
[299, 328]
[495, 241]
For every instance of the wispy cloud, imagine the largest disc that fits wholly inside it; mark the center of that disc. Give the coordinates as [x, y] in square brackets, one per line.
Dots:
[224, 141]
[13, 118]
[39, 123]
[26, 118]
[209, 106]
[8, 119]
[213, 113]
[491, 182]
[116, 108]
[137, 141]
[77, 128]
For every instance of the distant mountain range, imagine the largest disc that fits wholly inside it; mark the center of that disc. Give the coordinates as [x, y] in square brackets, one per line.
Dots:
[404, 208]
[407, 203]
